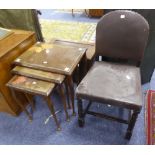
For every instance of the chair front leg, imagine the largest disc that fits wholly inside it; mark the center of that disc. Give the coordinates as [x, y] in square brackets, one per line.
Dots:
[132, 124]
[80, 113]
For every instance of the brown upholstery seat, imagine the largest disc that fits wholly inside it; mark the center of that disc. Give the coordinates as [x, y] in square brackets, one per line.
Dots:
[121, 36]
[115, 83]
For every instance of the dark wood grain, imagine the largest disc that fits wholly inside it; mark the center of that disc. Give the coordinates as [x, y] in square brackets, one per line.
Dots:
[10, 48]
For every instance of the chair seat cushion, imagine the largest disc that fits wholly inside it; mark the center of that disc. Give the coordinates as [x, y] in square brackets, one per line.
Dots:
[112, 83]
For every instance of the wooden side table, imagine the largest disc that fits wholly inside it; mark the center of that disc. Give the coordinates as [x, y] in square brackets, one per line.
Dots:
[96, 12]
[10, 48]
[35, 87]
[90, 54]
[54, 58]
[58, 79]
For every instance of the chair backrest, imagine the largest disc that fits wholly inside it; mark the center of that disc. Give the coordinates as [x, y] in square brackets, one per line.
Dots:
[122, 34]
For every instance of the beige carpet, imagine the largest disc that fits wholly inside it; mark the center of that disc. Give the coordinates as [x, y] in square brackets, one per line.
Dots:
[75, 31]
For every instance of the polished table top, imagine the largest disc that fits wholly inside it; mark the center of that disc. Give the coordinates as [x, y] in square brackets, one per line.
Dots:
[38, 74]
[51, 57]
[31, 85]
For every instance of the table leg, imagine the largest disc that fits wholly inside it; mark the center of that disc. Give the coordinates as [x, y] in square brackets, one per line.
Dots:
[82, 67]
[62, 95]
[132, 124]
[21, 105]
[67, 94]
[71, 89]
[73, 12]
[52, 110]
[30, 101]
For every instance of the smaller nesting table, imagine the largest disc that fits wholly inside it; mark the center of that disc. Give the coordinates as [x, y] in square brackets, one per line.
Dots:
[35, 87]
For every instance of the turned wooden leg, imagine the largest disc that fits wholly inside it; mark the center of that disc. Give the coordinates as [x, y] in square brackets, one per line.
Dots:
[73, 12]
[71, 89]
[131, 124]
[82, 67]
[52, 110]
[67, 94]
[129, 114]
[30, 100]
[78, 74]
[62, 95]
[21, 105]
[80, 113]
